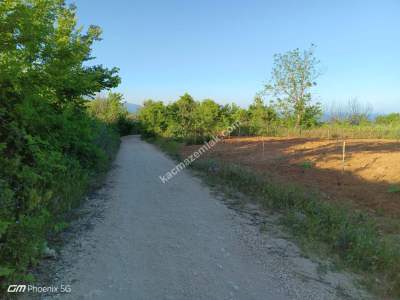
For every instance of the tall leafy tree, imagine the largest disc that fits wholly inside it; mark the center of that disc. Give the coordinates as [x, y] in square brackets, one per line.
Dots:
[241, 115]
[153, 116]
[207, 116]
[109, 109]
[261, 116]
[257, 115]
[293, 76]
[185, 109]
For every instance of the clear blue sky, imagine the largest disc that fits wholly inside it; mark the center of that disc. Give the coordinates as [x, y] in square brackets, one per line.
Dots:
[222, 49]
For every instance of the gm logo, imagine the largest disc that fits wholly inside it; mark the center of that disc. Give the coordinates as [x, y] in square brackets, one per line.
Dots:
[16, 288]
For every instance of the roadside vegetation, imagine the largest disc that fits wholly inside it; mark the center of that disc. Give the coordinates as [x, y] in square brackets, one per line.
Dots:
[54, 142]
[285, 108]
[110, 110]
[196, 121]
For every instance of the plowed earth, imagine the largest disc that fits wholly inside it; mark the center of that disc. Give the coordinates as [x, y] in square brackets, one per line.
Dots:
[369, 177]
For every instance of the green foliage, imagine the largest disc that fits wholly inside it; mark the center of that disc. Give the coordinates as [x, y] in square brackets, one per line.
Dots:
[394, 189]
[261, 117]
[128, 125]
[60, 226]
[390, 119]
[185, 119]
[307, 164]
[182, 113]
[112, 111]
[195, 122]
[207, 118]
[293, 75]
[108, 109]
[153, 117]
[50, 147]
[345, 131]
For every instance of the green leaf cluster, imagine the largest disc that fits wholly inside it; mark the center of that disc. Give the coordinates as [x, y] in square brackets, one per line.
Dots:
[50, 147]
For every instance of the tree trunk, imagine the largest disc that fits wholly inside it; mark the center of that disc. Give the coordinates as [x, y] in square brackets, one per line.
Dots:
[298, 120]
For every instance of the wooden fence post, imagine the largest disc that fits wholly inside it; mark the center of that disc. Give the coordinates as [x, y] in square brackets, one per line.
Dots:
[263, 144]
[343, 155]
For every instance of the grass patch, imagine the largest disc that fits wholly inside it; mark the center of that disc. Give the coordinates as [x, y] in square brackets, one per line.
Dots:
[352, 237]
[306, 165]
[394, 189]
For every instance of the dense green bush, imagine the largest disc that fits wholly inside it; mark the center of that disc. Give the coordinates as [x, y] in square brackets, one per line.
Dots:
[128, 125]
[50, 147]
[196, 121]
[112, 111]
[186, 119]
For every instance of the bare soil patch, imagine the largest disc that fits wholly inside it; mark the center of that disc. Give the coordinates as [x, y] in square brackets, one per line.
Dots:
[371, 171]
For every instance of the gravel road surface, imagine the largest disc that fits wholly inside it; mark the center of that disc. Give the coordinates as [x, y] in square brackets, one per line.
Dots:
[138, 238]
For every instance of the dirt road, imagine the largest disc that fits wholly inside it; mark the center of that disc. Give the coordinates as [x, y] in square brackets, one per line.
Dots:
[141, 239]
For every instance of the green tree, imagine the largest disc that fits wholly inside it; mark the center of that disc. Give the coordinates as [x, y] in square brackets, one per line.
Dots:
[293, 75]
[49, 146]
[227, 116]
[184, 117]
[241, 115]
[109, 109]
[261, 117]
[257, 116]
[207, 118]
[153, 117]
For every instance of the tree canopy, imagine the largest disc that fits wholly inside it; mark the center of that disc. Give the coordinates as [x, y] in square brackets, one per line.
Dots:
[293, 75]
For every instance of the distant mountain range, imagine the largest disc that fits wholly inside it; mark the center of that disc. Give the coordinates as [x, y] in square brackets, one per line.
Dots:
[131, 107]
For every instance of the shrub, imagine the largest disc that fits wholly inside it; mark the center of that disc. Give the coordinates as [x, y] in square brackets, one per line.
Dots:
[50, 147]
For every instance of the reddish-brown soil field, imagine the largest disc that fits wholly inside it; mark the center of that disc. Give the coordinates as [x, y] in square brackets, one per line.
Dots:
[371, 169]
